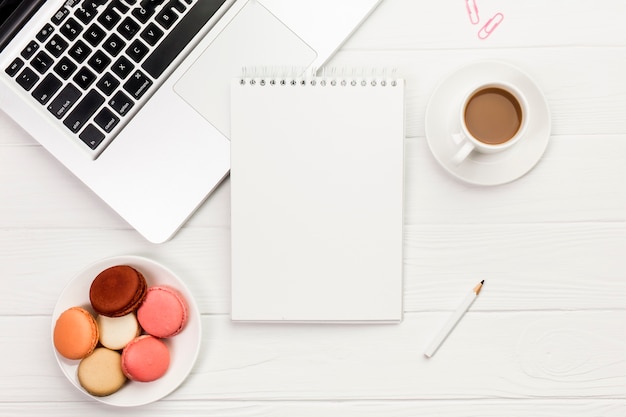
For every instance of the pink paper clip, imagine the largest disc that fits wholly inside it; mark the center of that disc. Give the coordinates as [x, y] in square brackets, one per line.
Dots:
[490, 26]
[472, 11]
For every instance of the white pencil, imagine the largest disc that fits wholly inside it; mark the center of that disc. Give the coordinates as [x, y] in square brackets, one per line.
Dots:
[453, 320]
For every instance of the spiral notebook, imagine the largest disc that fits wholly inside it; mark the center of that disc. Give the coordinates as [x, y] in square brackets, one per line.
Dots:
[317, 198]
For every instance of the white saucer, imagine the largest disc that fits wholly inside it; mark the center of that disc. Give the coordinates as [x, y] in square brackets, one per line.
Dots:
[442, 120]
[184, 347]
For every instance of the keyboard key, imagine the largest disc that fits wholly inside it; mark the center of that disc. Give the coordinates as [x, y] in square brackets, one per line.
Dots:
[56, 46]
[128, 28]
[137, 50]
[169, 48]
[46, 88]
[89, 10]
[42, 62]
[71, 29]
[109, 18]
[113, 45]
[166, 18]
[142, 14]
[91, 136]
[176, 5]
[122, 67]
[15, 66]
[119, 5]
[27, 79]
[106, 119]
[45, 33]
[108, 83]
[151, 34]
[121, 103]
[83, 111]
[151, 4]
[72, 4]
[93, 4]
[137, 85]
[85, 15]
[59, 16]
[65, 68]
[99, 61]
[94, 35]
[79, 51]
[64, 101]
[30, 49]
[84, 78]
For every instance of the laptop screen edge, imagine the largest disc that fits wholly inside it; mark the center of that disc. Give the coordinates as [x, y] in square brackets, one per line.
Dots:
[13, 16]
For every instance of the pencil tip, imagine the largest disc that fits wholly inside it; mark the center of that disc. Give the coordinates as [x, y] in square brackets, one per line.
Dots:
[482, 282]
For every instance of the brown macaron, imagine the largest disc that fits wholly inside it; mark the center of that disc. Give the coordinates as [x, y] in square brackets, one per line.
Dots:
[117, 291]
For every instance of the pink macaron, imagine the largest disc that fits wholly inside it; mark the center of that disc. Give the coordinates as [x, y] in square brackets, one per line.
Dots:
[145, 359]
[163, 313]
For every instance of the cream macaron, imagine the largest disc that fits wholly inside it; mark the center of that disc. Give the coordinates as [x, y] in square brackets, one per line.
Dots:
[116, 332]
[100, 373]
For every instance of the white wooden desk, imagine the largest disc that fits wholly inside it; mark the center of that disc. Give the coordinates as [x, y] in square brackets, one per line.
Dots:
[547, 337]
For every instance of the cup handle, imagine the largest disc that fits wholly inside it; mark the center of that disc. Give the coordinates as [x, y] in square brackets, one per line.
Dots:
[464, 151]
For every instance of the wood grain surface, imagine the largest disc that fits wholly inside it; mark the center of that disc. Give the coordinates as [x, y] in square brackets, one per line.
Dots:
[545, 338]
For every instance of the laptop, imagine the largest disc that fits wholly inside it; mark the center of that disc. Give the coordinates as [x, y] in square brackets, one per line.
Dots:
[132, 96]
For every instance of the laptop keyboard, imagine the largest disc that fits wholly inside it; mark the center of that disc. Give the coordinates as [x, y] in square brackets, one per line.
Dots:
[96, 62]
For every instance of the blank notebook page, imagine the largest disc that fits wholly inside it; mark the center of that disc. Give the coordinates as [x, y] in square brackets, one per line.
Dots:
[317, 199]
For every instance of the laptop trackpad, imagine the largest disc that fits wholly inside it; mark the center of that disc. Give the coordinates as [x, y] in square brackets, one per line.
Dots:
[254, 38]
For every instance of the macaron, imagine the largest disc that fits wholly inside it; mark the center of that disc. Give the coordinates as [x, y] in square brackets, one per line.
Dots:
[100, 373]
[75, 333]
[145, 359]
[163, 313]
[116, 332]
[117, 291]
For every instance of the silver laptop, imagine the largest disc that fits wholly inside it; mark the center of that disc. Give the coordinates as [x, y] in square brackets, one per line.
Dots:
[132, 96]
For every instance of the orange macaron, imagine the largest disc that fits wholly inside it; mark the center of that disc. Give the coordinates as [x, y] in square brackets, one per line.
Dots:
[75, 333]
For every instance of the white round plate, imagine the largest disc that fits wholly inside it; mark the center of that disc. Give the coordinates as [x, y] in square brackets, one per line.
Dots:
[184, 347]
[442, 120]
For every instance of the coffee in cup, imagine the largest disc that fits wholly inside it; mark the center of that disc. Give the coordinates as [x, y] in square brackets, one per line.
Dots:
[493, 118]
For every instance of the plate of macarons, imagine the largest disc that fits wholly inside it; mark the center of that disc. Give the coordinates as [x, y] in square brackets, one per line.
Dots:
[126, 331]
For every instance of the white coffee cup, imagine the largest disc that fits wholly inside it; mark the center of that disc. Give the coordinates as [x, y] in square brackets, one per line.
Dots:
[493, 118]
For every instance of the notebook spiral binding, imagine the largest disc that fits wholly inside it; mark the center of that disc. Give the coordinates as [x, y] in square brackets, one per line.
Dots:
[264, 76]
